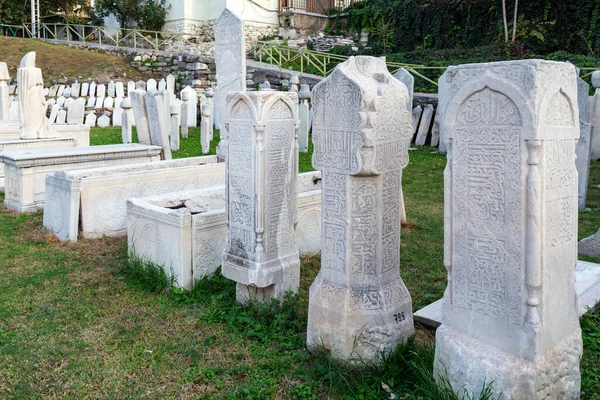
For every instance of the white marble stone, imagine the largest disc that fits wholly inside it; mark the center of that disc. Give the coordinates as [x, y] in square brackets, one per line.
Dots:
[111, 92]
[192, 107]
[185, 100]
[230, 60]
[358, 304]
[90, 120]
[61, 90]
[117, 115]
[85, 88]
[53, 91]
[205, 128]
[76, 111]
[108, 103]
[424, 125]
[68, 102]
[126, 121]
[94, 200]
[4, 97]
[119, 90]
[101, 90]
[53, 114]
[75, 89]
[195, 247]
[439, 112]
[151, 85]
[103, 121]
[409, 81]
[415, 118]
[303, 115]
[210, 97]
[91, 102]
[590, 246]
[13, 111]
[140, 85]
[34, 124]
[594, 116]
[583, 149]
[171, 84]
[140, 115]
[61, 117]
[162, 85]
[99, 102]
[92, 89]
[25, 171]
[46, 92]
[510, 230]
[261, 255]
[174, 127]
[130, 87]
[67, 91]
[158, 123]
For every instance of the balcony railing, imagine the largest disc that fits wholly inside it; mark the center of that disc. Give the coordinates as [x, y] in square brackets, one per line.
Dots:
[314, 6]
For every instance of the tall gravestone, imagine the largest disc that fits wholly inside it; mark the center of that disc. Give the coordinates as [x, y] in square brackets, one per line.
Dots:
[409, 81]
[510, 227]
[358, 304]
[140, 115]
[303, 115]
[262, 169]
[583, 149]
[230, 60]
[4, 98]
[126, 119]
[158, 122]
[34, 124]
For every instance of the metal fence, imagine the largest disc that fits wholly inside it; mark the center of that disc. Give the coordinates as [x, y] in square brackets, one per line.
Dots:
[98, 35]
[314, 6]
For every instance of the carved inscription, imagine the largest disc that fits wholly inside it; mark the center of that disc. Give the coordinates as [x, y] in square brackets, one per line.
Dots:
[390, 257]
[487, 212]
[559, 111]
[364, 226]
[560, 225]
[559, 164]
[335, 226]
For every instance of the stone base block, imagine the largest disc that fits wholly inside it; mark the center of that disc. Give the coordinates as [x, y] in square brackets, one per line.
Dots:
[358, 325]
[247, 293]
[470, 364]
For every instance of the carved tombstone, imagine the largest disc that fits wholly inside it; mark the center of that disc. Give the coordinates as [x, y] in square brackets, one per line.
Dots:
[358, 304]
[174, 126]
[303, 114]
[158, 123]
[510, 308]
[210, 97]
[205, 128]
[4, 98]
[582, 151]
[34, 124]
[230, 60]
[126, 121]
[140, 115]
[409, 81]
[262, 169]
[185, 99]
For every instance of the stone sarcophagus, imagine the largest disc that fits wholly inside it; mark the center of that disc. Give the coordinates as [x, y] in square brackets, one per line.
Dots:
[510, 309]
[358, 304]
[262, 170]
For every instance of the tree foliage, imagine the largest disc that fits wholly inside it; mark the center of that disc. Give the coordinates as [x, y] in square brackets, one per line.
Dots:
[19, 11]
[542, 26]
[147, 14]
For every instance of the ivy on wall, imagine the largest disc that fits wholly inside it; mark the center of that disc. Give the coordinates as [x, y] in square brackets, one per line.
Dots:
[543, 26]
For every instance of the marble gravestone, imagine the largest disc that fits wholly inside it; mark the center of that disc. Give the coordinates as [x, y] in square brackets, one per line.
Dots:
[4, 98]
[126, 117]
[583, 149]
[424, 125]
[34, 124]
[262, 255]
[210, 102]
[230, 60]
[158, 122]
[205, 128]
[140, 115]
[76, 111]
[101, 90]
[303, 115]
[409, 81]
[192, 105]
[510, 230]
[358, 304]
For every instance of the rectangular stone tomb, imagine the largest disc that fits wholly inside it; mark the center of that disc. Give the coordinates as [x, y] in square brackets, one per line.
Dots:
[186, 232]
[80, 132]
[94, 199]
[34, 144]
[25, 171]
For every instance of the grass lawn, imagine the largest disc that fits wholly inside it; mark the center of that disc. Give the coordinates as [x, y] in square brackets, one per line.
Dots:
[75, 322]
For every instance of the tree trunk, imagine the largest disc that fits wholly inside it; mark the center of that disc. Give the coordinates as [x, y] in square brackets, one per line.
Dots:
[515, 21]
[505, 22]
